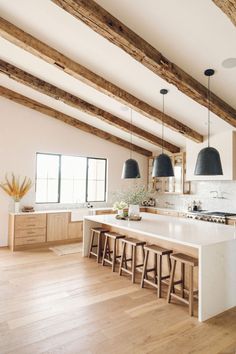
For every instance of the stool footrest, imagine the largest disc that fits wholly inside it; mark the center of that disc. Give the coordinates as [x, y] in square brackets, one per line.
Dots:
[150, 270]
[93, 253]
[139, 265]
[165, 277]
[107, 261]
[180, 298]
[126, 270]
[150, 283]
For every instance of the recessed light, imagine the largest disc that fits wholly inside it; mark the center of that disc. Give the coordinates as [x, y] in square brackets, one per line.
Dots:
[229, 63]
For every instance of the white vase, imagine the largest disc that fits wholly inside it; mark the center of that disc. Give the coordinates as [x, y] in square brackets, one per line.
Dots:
[134, 210]
[120, 212]
[17, 207]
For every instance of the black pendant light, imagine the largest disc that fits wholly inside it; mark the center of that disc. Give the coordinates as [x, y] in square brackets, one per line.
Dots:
[130, 167]
[162, 165]
[208, 160]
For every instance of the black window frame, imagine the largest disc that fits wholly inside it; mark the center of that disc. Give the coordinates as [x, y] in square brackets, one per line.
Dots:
[59, 178]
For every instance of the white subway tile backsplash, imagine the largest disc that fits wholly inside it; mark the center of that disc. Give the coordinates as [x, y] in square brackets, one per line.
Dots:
[224, 193]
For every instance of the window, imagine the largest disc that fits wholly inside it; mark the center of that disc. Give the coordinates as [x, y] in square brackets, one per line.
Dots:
[70, 179]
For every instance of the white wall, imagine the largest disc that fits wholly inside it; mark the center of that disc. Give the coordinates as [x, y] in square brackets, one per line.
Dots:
[24, 132]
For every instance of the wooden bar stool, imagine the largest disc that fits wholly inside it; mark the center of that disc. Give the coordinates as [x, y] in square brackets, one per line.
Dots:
[134, 243]
[111, 249]
[158, 253]
[191, 262]
[96, 232]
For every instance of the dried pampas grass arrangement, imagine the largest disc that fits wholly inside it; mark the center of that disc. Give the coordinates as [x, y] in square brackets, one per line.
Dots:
[14, 188]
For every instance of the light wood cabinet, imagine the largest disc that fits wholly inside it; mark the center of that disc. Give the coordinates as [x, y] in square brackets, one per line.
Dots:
[57, 226]
[30, 221]
[166, 212]
[103, 212]
[171, 185]
[75, 230]
[26, 229]
[44, 229]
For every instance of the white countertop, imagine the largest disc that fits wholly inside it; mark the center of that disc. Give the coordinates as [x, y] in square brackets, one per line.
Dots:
[49, 211]
[193, 233]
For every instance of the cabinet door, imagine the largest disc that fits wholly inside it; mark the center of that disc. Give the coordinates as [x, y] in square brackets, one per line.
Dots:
[104, 212]
[151, 210]
[75, 230]
[57, 226]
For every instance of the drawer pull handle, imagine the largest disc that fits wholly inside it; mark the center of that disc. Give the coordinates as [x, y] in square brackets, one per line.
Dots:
[31, 239]
[30, 233]
[31, 225]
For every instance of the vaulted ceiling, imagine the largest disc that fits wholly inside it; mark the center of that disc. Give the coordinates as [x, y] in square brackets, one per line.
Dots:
[194, 35]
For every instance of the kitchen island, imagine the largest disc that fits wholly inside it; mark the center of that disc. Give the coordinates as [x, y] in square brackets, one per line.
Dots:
[213, 244]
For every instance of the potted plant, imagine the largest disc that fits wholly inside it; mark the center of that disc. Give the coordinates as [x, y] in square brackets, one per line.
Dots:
[120, 206]
[15, 189]
[133, 198]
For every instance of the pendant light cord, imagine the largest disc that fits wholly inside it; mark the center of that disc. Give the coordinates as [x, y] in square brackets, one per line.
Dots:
[209, 109]
[162, 123]
[131, 133]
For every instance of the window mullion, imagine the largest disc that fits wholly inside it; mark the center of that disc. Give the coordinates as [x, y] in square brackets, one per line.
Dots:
[87, 167]
[59, 180]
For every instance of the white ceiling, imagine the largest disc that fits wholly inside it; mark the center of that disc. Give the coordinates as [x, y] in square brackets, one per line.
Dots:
[195, 35]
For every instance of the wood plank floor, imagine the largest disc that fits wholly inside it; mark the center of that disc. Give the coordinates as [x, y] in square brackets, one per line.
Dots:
[71, 305]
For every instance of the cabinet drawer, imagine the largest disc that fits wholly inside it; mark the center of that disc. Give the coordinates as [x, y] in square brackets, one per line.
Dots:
[31, 232]
[30, 221]
[29, 240]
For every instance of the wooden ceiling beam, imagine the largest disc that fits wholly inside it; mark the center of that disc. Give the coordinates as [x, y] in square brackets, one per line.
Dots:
[34, 46]
[228, 7]
[102, 22]
[76, 102]
[74, 122]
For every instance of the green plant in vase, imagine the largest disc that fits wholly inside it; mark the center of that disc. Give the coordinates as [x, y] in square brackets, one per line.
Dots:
[133, 197]
[119, 207]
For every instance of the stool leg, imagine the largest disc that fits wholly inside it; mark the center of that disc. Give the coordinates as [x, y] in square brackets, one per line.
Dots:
[144, 268]
[169, 263]
[99, 247]
[91, 244]
[108, 248]
[159, 276]
[114, 257]
[155, 268]
[125, 259]
[182, 279]
[104, 251]
[172, 275]
[143, 252]
[122, 258]
[133, 263]
[191, 291]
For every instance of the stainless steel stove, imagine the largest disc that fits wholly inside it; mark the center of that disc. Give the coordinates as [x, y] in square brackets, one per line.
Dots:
[211, 216]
